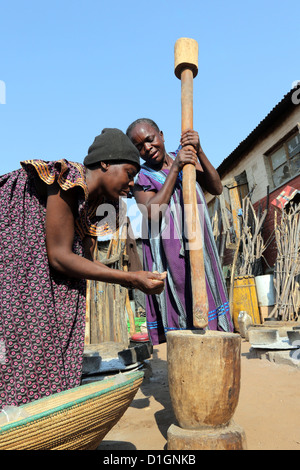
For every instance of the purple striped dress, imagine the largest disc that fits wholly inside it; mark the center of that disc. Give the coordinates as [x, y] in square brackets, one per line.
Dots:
[164, 249]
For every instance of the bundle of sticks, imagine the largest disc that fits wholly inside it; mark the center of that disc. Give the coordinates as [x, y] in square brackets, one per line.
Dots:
[251, 239]
[287, 266]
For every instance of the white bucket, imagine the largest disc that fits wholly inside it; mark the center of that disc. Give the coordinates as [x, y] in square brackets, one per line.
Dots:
[265, 290]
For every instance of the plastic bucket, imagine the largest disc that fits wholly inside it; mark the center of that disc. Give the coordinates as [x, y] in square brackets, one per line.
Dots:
[265, 290]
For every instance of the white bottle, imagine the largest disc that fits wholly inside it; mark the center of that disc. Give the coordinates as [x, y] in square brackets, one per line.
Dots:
[244, 321]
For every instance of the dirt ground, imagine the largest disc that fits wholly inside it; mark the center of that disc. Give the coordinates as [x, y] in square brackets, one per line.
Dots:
[268, 408]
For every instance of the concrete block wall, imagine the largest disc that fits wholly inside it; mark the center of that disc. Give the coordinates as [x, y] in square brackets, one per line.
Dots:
[256, 164]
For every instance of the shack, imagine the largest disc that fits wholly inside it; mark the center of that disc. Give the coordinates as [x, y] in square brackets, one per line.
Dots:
[261, 181]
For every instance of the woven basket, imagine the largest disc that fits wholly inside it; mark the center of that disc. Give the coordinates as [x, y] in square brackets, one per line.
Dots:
[74, 419]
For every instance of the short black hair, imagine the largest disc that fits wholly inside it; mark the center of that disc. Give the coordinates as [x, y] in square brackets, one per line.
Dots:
[138, 121]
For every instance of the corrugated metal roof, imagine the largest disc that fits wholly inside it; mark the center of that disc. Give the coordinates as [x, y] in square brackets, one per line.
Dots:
[275, 115]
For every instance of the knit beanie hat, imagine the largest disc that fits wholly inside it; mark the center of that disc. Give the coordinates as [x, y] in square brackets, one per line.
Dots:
[112, 145]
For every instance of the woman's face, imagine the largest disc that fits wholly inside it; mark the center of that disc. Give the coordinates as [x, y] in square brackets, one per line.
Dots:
[149, 142]
[118, 179]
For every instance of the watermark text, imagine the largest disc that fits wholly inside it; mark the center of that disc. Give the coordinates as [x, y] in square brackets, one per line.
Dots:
[296, 93]
[2, 352]
[159, 221]
[2, 92]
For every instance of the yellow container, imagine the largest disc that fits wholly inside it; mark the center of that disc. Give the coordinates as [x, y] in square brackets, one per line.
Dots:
[245, 299]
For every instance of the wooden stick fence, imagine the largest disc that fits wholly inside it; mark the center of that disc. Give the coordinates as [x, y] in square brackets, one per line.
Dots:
[108, 305]
[252, 241]
[287, 266]
[250, 247]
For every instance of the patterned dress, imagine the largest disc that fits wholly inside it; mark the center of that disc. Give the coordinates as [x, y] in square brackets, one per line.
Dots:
[42, 312]
[165, 249]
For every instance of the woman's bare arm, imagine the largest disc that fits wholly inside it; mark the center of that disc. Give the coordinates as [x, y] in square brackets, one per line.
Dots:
[155, 203]
[60, 212]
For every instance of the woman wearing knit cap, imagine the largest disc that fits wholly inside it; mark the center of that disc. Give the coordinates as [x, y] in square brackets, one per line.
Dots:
[48, 225]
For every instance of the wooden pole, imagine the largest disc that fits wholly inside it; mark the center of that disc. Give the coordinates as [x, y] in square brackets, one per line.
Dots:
[186, 68]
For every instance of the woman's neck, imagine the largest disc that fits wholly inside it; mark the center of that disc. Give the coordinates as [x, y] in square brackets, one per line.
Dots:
[168, 161]
[164, 164]
[93, 184]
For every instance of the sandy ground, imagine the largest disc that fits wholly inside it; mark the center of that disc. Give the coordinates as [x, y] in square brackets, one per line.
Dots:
[268, 409]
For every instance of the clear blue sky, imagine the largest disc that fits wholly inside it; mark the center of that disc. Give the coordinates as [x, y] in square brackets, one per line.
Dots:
[71, 68]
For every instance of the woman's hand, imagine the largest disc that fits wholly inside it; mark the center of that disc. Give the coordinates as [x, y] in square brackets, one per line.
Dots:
[149, 283]
[190, 137]
[206, 174]
[185, 155]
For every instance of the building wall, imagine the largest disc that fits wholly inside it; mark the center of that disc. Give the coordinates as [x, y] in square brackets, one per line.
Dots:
[256, 164]
[259, 177]
[268, 228]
